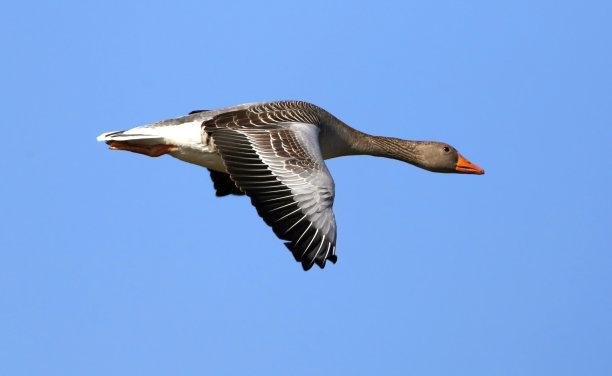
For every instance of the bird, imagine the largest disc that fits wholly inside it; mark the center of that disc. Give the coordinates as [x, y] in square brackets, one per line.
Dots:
[274, 153]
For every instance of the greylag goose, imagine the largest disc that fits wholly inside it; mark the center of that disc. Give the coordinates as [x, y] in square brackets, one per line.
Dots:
[274, 153]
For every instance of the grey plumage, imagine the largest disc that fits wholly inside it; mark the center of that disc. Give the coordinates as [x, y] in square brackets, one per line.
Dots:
[274, 153]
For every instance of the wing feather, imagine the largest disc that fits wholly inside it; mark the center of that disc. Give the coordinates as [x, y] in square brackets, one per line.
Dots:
[273, 156]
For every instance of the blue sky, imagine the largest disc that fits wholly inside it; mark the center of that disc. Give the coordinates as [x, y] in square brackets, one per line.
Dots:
[115, 263]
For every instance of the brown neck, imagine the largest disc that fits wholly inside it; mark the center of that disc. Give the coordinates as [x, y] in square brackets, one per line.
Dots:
[388, 147]
[338, 139]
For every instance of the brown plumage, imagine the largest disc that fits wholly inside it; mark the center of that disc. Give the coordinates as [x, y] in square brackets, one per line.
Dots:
[274, 153]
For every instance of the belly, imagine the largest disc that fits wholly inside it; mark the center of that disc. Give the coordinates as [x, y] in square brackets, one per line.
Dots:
[200, 156]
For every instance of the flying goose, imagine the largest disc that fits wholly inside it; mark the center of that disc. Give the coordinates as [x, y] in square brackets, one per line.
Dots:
[274, 153]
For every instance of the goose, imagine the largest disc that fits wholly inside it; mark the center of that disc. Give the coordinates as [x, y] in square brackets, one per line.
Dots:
[274, 153]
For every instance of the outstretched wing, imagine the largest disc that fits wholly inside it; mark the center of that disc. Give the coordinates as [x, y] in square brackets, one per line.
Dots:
[280, 167]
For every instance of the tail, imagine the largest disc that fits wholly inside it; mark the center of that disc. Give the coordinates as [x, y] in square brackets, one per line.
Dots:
[130, 136]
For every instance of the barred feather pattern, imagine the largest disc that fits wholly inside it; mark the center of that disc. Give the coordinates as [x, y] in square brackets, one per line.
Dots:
[271, 153]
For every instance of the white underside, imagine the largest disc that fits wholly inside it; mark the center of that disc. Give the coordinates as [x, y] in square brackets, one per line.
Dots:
[200, 156]
[192, 146]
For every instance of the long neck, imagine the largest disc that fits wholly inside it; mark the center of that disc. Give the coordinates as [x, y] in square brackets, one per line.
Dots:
[338, 139]
[345, 140]
[388, 147]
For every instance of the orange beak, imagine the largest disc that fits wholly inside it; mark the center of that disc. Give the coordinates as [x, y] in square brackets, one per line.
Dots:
[466, 167]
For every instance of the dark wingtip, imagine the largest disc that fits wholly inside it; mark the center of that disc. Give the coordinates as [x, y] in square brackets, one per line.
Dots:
[307, 262]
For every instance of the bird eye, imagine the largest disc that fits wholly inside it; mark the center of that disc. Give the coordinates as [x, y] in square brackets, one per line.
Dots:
[446, 149]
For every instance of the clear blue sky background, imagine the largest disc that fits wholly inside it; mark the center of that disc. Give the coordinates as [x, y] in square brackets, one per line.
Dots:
[118, 264]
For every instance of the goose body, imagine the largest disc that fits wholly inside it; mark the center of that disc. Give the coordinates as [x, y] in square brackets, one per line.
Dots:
[274, 153]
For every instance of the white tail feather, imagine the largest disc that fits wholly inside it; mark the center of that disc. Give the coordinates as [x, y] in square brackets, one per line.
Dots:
[123, 136]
